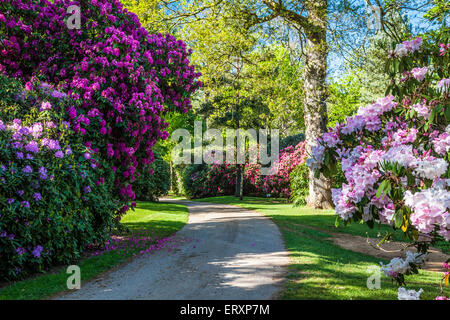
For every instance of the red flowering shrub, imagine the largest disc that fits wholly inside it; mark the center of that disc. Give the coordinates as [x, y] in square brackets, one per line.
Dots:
[220, 179]
[121, 78]
[278, 184]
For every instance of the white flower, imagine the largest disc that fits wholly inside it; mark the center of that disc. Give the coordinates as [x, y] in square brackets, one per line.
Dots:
[431, 168]
[404, 294]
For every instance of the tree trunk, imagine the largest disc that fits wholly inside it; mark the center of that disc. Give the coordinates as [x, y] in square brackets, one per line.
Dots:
[238, 180]
[316, 94]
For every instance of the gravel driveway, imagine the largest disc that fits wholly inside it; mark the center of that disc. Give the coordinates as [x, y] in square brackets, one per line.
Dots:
[225, 252]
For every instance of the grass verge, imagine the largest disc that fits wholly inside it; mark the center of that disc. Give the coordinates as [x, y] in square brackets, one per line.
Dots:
[321, 270]
[161, 219]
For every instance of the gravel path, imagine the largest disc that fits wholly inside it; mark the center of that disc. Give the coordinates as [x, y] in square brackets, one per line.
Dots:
[225, 252]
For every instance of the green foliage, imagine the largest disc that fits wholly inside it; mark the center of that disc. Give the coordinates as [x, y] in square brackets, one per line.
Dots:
[162, 219]
[291, 140]
[194, 180]
[299, 184]
[299, 180]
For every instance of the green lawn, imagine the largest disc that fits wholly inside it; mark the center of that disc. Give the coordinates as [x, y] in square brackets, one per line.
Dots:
[159, 219]
[320, 269]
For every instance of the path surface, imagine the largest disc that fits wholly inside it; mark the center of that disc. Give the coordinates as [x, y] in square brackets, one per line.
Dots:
[226, 253]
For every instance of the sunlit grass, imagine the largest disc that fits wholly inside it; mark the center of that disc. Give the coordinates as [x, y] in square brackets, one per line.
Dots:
[319, 269]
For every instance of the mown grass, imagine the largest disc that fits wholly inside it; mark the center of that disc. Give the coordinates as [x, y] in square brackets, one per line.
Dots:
[320, 269]
[161, 219]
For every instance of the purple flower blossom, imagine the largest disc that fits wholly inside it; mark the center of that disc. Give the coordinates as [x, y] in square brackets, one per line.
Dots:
[87, 189]
[20, 251]
[32, 146]
[43, 173]
[25, 204]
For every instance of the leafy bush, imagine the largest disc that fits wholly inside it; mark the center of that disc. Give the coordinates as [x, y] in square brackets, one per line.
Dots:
[194, 181]
[155, 182]
[56, 195]
[291, 140]
[299, 184]
[220, 179]
[299, 181]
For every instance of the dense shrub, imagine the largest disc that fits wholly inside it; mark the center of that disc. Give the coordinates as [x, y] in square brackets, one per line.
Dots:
[56, 195]
[154, 183]
[74, 141]
[213, 180]
[121, 78]
[278, 184]
[291, 140]
[299, 181]
[194, 181]
[220, 179]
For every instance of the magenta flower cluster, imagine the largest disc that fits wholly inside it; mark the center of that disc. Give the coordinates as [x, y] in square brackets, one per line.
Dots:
[278, 183]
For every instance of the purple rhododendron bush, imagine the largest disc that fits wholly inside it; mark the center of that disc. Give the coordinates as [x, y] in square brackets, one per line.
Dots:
[80, 111]
[395, 152]
[203, 180]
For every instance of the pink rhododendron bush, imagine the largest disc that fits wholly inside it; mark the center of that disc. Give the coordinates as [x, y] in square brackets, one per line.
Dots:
[80, 111]
[121, 78]
[395, 152]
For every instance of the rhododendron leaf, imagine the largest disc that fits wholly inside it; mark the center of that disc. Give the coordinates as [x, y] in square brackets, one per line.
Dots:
[432, 115]
[410, 180]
